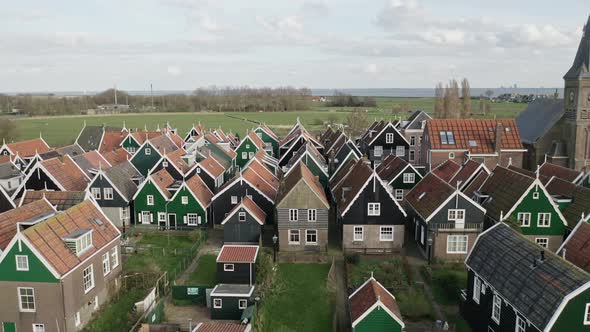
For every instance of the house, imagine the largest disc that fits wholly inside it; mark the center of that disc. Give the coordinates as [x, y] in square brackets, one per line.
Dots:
[270, 139]
[313, 160]
[210, 171]
[195, 133]
[113, 189]
[89, 162]
[151, 152]
[225, 157]
[174, 162]
[573, 200]
[222, 327]
[136, 139]
[243, 224]
[269, 161]
[371, 219]
[514, 285]
[549, 170]
[382, 139]
[374, 309]
[54, 174]
[60, 200]
[338, 148]
[189, 205]
[447, 170]
[255, 181]
[302, 212]
[413, 131]
[27, 214]
[72, 150]
[399, 175]
[471, 173]
[445, 221]
[11, 177]
[228, 301]
[236, 264]
[91, 138]
[25, 149]
[248, 147]
[149, 201]
[58, 272]
[486, 141]
[293, 141]
[509, 195]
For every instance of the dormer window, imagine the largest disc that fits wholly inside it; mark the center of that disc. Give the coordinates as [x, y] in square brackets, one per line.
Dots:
[79, 241]
[148, 151]
[389, 138]
[447, 138]
[536, 195]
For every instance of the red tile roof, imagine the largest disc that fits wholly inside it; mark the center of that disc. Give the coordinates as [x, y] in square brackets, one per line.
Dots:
[447, 170]
[141, 136]
[256, 140]
[301, 172]
[251, 207]
[212, 166]
[269, 132]
[576, 248]
[260, 183]
[549, 170]
[29, 212]
[48, 236]
[162, 179]
[175, 157]
[29, 148]
[68, 174]
[238, 254]
[369, 294]
[475, 135]
[222, 327]
[63, 200]
[111, 140]
[264, 173]
[196, 185]
[117, 156]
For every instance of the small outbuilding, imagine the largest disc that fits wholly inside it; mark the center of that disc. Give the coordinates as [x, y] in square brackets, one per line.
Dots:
[228, 301]
[243, 224]
[374, 309]
[236, 264]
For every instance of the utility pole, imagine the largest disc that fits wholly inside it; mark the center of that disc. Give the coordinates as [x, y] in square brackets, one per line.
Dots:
[115, 94]
[152, 94]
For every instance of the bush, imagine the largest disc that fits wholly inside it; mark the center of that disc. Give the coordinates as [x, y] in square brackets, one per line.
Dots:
[414, 305]
[447, 285]
[353, 259]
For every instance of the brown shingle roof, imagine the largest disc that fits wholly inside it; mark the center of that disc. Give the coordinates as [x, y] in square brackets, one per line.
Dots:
[111, 140]
[475, 184]
[576, 248]
[367, 295]
[580, 196]
[429, 194]
[68, 174]
[549, 170]
[63, 200]
[447, 170]
[475, 135]
[391, 167]
[251, 207]
[298, 173]
[221, 327]
[354, 182]
[48, 236]
[163, 144]
[237, 254]
[467, 171]
[29, 148]
[162, 179]
[175, 157]
[117, 156]
[30, 212]
[504, 187]
[91, 160]
[196, 185]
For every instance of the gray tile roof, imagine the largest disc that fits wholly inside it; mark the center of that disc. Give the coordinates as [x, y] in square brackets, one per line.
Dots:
[419, 116]
[503, 258]
[121, 177]
[529, 126]
[227, 289]
[89, 138]
[72, 150]
[505, 187]
[9, 171]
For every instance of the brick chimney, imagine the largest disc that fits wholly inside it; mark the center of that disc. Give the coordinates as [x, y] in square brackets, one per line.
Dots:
[498, 142]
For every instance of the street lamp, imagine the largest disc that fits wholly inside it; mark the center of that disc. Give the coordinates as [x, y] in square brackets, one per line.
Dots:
[275, 238]
[429, 249]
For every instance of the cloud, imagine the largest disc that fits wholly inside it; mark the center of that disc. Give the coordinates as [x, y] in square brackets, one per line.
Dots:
[371, 69]
[174, 70]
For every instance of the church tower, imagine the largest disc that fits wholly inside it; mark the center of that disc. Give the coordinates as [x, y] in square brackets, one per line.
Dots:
[576, 119]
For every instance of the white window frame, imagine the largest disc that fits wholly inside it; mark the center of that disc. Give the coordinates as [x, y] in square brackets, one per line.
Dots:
[400, 151]
[548, 219]
[150, 200]
[409, 178]
[145, 214]
[522, 217]
[234, 200]
[293, 215]
[540, 240]
[312, 215]
[192, 219]
[114, 257]
[456, 215]
[378, 151]
[389, 138]
[229, 267]
[386, 229]
[456, 240]
[20, 299]
[398, 194]
[250, 155]
[587, 314]
[298, 236]
[476, 289]
[38, 327]
[217, 306]
[309, 232]
[184, 200]
[24, 259]
[95, 192]
[240, 306]
[164, 163]
[242, 216]
[355, 238]
[536, 195]
[148, 151]
[520, 325]
[451, 155]
[88, 278]
[244, 155]
[108, 194]
[106, 264]
[374, 209]
[496, 304]
[162, 217]
[422, 234]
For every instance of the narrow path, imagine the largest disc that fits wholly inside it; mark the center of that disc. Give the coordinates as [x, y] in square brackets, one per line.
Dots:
[415, 266]
[211, 246]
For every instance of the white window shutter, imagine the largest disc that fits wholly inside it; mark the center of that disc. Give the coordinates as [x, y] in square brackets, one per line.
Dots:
[184, 219]
[139, 216]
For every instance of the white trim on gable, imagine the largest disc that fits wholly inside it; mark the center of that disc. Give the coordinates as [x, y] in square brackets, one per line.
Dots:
[440, 207]
[19, 237]
[342, 163]
[140, 188]
[383, 185]
[563, 304]
[403, 170]
[38, 165]
[236, 209]
[389, 124]
[103, 174]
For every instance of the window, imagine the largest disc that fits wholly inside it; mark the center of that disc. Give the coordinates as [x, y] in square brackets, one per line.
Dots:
[457, 244]
[443, 137]
[412, 155]
[244, 155]
[228, 267]
[148, 151]
[422, 234]
[146, 217]
[389, 138]
[374, 209]
[311, 236]
[542, 241]
[378, 151]
[293, 236]
[476, 289]
[38, 328]
[536, 195]
[293, 214]
[108, 194]
[150, 199]
[447, 137]
[95, 192]
[234, 199]
[22, 263]
[242, 304]
[544, 219]
[312, 215]
[242, 216]
[106, 264]
[587, 314]
[217, 303]
[250, 155]
[26, 299]
[80, 244]
[358, 233]
[77, 319]
[114, 257]
[456, 215]
[247, 146]
[88, 278]
[451, 155]
[386, 233]
[412, 140]
[496, 308]
[400, 150]
[164, 163]
[192, 219]
[198, 170]
[184, 200]
[161, 216]
[399, 194]
[520, 324]
[524, 219]
[131, 149]
[409, 177]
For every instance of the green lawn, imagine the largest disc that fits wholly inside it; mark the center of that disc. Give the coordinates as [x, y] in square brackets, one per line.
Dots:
[206, 273]
[63, 130]
[116, 316]
[299, 300]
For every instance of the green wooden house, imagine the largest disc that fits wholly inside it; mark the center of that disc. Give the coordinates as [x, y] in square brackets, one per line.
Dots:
[510, 195]
[229, 301]
[313, 159]
[400, 175]
[374, 309]
[151, 151]
[225, 157]
[248, 148]
[149, 201]
[190, 203]
[270, 138]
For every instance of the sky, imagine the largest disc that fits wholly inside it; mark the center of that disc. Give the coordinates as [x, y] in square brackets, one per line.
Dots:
[92, 45]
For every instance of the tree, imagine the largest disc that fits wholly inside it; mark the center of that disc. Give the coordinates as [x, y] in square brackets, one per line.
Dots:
[489, 93]
[439, 103]
[454, 110]
[8, 130]
[466, 94]
[357, 122]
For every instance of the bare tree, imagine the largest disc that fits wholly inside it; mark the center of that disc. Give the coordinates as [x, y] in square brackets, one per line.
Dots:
[466, 94]
[439, 103]
[454, 110]
[357, 122]
[8, 130]
[489, 93]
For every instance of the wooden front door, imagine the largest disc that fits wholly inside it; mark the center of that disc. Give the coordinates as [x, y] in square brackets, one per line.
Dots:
[171, 221]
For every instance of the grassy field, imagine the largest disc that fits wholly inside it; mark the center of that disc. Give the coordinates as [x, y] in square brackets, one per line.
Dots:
[63, 130]
[206, 273]
[301, 287]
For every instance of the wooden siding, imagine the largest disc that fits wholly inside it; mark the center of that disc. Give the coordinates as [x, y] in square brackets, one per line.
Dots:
[247, 231]
[378, 320]
[221, 205]
[240, 274]
[302, 222]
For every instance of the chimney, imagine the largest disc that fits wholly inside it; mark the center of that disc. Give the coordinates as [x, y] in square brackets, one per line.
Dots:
[563, 253]
[498, 143]
[542, 255]
[534, 262]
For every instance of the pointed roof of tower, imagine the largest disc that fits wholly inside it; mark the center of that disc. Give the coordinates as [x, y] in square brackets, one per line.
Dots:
[582, 60]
